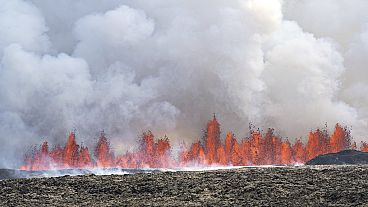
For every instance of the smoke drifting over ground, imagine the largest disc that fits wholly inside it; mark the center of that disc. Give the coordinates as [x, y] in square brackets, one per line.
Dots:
[127, 66]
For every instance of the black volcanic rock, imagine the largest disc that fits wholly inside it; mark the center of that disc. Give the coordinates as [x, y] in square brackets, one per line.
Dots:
[271, 186]
[346, 157]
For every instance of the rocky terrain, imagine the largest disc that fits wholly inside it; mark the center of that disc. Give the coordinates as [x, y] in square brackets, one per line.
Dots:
[274, 186]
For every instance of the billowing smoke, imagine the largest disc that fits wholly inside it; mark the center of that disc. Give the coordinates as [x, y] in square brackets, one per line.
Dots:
[125, 66]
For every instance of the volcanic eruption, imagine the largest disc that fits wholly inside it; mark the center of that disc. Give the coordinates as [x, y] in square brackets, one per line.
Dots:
[257, 149]
[110, 103]
[132, 66]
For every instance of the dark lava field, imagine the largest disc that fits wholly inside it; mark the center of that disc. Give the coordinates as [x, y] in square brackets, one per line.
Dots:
[274, 186]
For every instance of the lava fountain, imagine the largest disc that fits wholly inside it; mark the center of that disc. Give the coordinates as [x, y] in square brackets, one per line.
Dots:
[257, 149]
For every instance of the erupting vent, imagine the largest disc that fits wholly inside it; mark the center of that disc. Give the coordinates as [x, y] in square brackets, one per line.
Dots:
[258, 149]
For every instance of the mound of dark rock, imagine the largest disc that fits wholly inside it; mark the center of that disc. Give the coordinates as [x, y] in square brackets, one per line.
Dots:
[346, 157]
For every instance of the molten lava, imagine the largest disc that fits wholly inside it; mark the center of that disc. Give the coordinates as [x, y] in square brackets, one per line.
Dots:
[257, 149]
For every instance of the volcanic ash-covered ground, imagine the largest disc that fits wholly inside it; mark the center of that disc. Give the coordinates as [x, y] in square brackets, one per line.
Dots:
[274, 186]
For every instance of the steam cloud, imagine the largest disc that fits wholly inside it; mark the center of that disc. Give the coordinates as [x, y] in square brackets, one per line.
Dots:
[130, 65]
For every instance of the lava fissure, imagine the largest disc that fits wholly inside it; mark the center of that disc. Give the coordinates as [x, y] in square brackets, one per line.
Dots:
[257, 149]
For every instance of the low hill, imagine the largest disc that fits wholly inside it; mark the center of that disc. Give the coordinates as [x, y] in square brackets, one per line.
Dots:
[346, 157]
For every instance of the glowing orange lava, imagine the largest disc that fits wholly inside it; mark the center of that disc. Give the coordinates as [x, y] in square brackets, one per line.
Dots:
[257, 149]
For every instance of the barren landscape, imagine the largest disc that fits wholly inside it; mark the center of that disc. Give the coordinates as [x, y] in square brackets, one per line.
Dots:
[183, 103]
[267, 186]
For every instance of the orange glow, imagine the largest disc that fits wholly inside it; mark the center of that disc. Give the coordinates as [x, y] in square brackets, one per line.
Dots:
[286, 155]
[364, 147]
[85, 160]
[71, 152]
[257, 149]
[212, 141]
[299, 152]
[104, 157]
[340, 139]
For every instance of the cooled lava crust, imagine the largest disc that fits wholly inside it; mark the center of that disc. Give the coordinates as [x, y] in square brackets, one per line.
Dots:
[346, 157]
[279, 186]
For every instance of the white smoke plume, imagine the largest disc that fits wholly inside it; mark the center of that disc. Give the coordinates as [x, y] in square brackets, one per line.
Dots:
[125, 66]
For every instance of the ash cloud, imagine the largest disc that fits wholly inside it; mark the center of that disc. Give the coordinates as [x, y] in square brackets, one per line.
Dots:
[128, 66]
